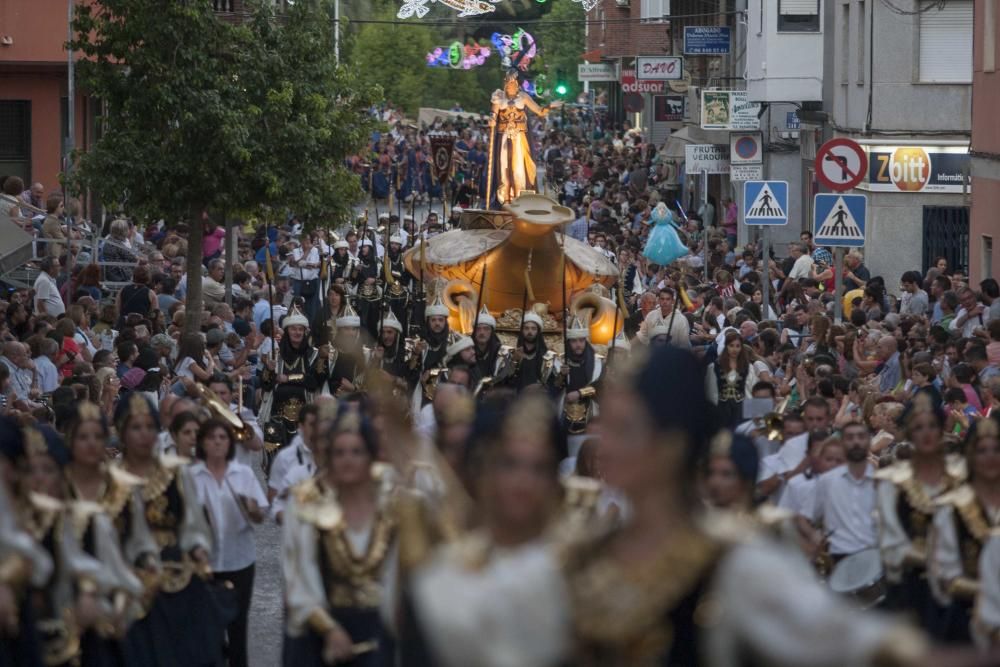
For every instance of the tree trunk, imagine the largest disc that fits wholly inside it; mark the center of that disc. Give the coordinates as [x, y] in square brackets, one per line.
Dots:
[231, 255]
[193, 299]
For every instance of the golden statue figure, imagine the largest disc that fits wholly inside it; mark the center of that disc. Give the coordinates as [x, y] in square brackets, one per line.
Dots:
[510, 120]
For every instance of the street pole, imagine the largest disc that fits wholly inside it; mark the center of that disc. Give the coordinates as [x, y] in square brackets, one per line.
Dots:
[336, 31]
[70, 90]
[838, 285]
[765, 282]
[704, 223]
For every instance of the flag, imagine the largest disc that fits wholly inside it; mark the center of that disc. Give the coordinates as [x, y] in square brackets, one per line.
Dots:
[442, 146]
[685, 299]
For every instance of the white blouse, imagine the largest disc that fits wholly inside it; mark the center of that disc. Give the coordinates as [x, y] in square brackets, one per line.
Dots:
[233, 532]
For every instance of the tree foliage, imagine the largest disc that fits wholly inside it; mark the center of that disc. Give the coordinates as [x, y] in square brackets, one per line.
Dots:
[201, 115]
[560, 34]
[394, 57]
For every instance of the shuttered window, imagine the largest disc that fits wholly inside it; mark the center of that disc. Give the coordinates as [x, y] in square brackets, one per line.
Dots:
[798, 15]
[946, 42]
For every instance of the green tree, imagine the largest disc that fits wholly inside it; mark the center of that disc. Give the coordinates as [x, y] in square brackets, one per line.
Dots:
[394, 57]
[204, 116]
[562, 41]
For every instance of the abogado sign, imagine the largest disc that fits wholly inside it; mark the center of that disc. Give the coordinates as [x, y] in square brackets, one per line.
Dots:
[728, 110]
[938, 169]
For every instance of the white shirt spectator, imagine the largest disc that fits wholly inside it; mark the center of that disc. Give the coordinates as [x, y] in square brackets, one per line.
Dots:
[679, 330]
[802, 268]
[970, 324]
[234, 543]
[47, 374]
[914, 304]
[47, 294]
[301, 272]
[846, 506]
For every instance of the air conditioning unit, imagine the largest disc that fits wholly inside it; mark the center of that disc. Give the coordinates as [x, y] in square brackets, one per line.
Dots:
[622, 3]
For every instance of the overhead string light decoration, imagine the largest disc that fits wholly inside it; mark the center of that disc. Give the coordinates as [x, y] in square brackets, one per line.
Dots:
[458, 56]
[419, 8]
[588, 4]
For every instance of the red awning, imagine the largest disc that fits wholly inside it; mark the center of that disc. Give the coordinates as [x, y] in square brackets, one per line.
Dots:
[593, 57]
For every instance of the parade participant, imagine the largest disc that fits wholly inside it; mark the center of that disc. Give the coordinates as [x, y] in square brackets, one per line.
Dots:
[289, 382]
[252, 435]
[635, 592]
[233, 502]
[324, 327]
[336, 538]
[430, 351]
[475, 583]
[294, 463]
[962, 525]
[668, 315]
[170, 635]
[461, 353]
[305, 278]
[369, 293]
[731, 472]
[731, 369]
[906, 494]
[346, 361]
[533, 362]
[492, 357]
[68, 604]
[390, 354]
[98, 490]
[579, 371]
[344, 266]
[515, 168]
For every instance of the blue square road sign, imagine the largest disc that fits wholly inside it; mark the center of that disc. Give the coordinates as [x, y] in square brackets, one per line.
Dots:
[839, 220]
[765, 202]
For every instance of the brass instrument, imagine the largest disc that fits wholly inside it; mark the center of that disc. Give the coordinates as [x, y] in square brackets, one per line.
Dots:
[434, 376]
[211, 402]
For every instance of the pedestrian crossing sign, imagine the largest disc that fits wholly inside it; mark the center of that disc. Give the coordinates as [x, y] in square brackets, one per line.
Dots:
[765, 202]
[839, 220]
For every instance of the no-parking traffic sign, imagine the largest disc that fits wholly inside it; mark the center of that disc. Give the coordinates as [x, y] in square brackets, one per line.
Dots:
[841, 164]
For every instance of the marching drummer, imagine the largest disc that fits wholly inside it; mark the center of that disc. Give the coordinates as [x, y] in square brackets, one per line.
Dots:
[843, 519]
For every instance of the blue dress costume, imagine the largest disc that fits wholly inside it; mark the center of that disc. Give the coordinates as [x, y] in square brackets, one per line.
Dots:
[664, 243]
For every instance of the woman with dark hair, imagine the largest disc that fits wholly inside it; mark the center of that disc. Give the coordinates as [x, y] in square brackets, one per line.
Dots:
[174, 635]
[89, 280]
[731, 473]
[192, 362]
[137, 297]
[512, 469]
[338, 529]
[732, 367]
[233, 502]
[89, 478]
[325, 325]
[184, 434]
[962, 526]
[906, 496]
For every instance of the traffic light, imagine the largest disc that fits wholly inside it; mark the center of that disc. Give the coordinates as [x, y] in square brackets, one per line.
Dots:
[561, 89]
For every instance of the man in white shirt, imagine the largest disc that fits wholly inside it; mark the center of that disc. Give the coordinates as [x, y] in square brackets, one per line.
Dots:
[971, 316]
[45, 367]
[845, 499]
[47, 299]
[670, 317]
[803, 262]
[294, 463]
[213, 286]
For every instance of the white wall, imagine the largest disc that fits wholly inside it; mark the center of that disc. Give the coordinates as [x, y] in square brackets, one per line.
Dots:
[782, 67]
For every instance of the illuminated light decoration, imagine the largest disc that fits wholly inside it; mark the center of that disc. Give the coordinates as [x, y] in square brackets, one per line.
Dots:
[464, 8]
[458, 56]
[588, 4]
[515, 50]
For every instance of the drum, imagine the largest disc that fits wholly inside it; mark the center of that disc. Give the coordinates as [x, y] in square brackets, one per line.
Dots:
[860, 576]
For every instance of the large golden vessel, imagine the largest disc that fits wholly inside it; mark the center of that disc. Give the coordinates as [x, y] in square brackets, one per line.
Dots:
[521, 243]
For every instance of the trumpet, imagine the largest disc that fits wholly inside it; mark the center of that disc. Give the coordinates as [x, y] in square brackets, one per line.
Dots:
[211, 402]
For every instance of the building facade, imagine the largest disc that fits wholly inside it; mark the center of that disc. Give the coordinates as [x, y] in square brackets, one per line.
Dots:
[906, 97]
[984, 232]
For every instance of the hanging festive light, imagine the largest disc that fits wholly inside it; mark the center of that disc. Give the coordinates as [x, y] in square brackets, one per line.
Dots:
[458, 56]
[419, 8]
[515, 50]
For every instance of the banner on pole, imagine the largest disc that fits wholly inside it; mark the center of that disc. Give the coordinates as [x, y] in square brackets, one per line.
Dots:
[442, 150]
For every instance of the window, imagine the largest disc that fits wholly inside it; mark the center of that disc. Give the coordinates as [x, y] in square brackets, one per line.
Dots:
[862, 42]
[946, 42]
[15, 138]
[989, 35]
[655, 10]
[845, 41]
[798, 15]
